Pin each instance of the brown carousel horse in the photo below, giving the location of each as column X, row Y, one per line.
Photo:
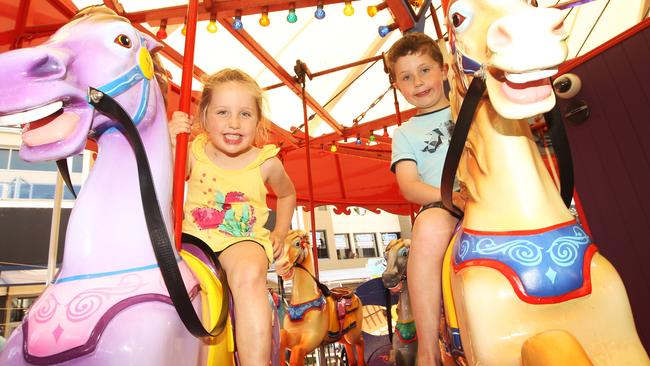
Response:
column 405, row 343
column 522, row 281
column 315, row 315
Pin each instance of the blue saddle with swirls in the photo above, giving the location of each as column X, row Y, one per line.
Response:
column 547, row 265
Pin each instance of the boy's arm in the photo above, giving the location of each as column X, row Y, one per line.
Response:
column 413, row 189
column 285, row 192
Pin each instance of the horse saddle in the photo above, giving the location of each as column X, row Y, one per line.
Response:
column 68, row 320
column 544, row 266
column 340, row 303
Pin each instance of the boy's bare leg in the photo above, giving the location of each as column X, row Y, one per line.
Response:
column 245, row 264
column 430, row 237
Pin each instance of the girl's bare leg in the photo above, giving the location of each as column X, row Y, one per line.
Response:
column 245, row 264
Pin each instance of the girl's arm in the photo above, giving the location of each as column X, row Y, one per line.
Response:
column 281, row 184
column 181, row 123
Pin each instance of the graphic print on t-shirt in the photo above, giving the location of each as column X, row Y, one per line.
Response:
column 437, row 137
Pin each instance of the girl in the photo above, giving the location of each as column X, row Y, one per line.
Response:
column 226, row 199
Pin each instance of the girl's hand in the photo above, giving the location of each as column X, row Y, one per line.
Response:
column 277, row 239
column 180, row 123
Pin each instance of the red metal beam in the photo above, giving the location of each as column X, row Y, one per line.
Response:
column 168, row 50
column 66, row 8
column 333, row 69
column 402, row 14
column 225, row 9
column 21, row 22
column 364, row 129
column 256, row 49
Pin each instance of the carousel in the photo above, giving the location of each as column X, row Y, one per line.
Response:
column 546, row 266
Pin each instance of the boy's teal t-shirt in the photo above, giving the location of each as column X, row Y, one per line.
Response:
column 424, row 139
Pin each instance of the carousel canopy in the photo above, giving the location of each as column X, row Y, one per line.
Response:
column 351, row 110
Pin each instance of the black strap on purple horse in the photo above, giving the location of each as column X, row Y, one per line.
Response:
column 466, row 115
column 160, row 240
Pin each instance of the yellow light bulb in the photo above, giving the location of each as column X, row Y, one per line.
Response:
column 348, row 10
column 264, row 20
column 184, row 30
column 372, row 11
column 212, row 27
column 333, row 148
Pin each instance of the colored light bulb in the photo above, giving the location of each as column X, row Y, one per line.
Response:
column 161, row 34
column 320, row 12
column 372, row 10
column 348, row 10
column 358, row 141
column 372, row 138
column 292, row 17
column 212, row 26
column 237, row 23
column 264, row 19
column 333, row 148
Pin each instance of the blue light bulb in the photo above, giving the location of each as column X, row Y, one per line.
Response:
column 237, row 24
column 383, row 30
column 320, row 12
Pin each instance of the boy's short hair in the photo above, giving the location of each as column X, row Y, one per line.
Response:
column 412, row 43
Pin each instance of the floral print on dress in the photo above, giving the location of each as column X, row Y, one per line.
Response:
column 224, row 218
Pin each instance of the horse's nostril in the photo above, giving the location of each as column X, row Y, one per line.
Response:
column 45, row 66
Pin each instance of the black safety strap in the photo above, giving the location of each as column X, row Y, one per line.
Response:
column 62, row 165
column 160, row 241
column 323, row 288
column 560, row 143
column 457, row 144
column 465, row 116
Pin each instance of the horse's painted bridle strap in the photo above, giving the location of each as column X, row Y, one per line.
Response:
column 141, row 71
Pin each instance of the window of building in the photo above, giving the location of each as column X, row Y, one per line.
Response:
column 387, row 237
column 321, row 244
column 19, row 307
column 19, row 188
column 366, row 245
column 4, row 158
column 16, row 163
column 343, row 248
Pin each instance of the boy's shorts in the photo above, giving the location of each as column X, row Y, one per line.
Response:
column 436, row 204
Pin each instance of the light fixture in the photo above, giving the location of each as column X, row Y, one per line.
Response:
column 385, row 132
column 358, row 141
column 292, row 17
column 385, row 29
column 212, row 25
column 320, row 11
column 372, row 10
column 333, row 148
column 264, row 19
column 372, row 137
column 184, row 29
column 348, row 10
column 237, row 23
column 162, row 30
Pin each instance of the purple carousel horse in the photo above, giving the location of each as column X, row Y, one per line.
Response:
column 108, row 304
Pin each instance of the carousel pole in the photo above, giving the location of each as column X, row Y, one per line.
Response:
column 181, row 139
column 301, row 73
column 54, row 230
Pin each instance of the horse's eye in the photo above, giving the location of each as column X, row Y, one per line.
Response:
column 123, row 40
column 457, row 19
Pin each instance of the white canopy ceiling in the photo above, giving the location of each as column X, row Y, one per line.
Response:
column 337, row 40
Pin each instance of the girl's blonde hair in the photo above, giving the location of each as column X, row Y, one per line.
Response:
column 224, row 76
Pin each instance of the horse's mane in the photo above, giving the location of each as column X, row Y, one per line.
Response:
column 100, row 13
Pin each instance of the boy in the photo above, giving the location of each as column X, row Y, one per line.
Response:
column 420, row 145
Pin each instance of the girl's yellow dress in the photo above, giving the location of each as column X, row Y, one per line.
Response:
column 224, row 206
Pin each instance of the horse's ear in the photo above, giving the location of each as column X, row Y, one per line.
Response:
column 152, row 45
